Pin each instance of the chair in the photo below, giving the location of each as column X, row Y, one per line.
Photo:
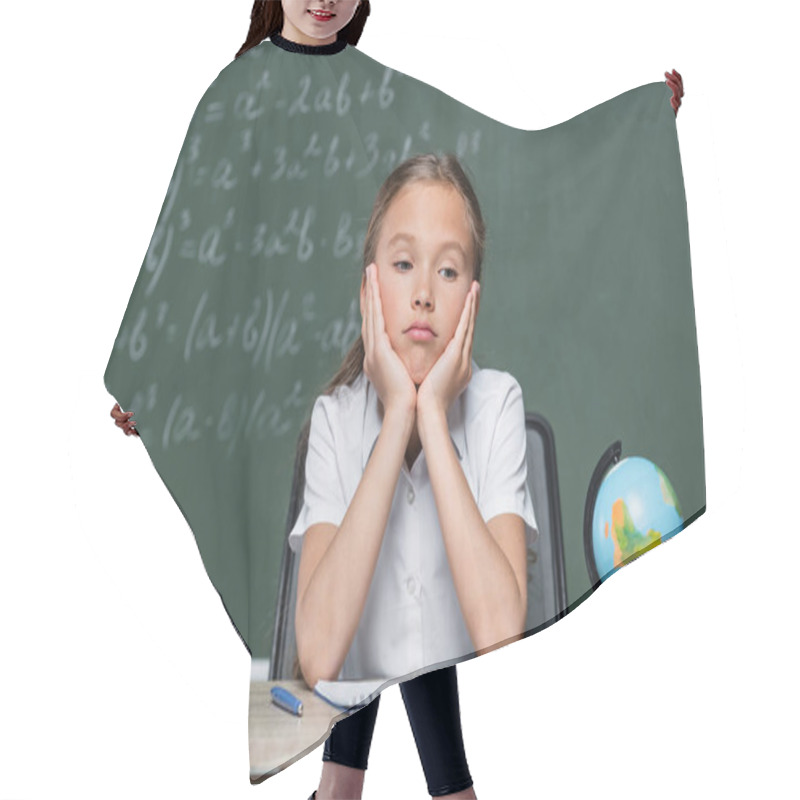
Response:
column 284, row 642
column 547, row 577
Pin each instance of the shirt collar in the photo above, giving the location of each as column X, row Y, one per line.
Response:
column 372, row 420
column 309, row 49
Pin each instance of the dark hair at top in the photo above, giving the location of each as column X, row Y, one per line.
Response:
column 266, row 19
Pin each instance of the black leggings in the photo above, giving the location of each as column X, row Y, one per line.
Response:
column 432, row 706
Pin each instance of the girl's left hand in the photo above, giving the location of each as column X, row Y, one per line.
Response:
column 675, row 82
column 452, row 371
column 124, row 420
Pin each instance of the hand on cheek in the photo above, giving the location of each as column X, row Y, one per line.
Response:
column 384, row 368
column 452, row 371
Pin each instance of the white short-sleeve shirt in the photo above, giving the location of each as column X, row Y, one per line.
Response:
column 412, row 618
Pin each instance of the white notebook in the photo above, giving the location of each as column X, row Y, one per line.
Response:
column 347, row 694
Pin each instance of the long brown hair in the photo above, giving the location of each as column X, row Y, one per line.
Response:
column 266, row 19
column 445, row 169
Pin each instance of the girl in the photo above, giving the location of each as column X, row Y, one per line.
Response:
column 398, row 568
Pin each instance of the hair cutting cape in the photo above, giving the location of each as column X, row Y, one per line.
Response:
column 248, row 299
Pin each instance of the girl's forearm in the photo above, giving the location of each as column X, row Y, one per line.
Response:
column 492, row 602
column 329, row 611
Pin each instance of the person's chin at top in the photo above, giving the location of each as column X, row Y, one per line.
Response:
column 420, row 369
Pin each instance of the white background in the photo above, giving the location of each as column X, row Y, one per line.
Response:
column 120, row 673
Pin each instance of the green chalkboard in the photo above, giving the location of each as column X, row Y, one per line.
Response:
column 248, row 296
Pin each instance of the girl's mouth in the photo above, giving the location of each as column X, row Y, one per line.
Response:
column 323, row 16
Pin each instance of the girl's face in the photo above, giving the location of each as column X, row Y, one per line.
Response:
column 302, row 25
column 424, row 261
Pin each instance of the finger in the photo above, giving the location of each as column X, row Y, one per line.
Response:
column 467, row 351
column 373, row 330
column 365, row 309
column 362, row 307
column 674, row 79
column 463, row 322
column 464, row 335
column 122, row 415
column 379, row 323
column 368, row 304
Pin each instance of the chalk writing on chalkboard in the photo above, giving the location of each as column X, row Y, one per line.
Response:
column 276, row 322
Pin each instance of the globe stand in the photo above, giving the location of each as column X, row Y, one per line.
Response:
column 609, row 458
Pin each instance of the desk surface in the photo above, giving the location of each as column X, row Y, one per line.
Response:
column 278, row 738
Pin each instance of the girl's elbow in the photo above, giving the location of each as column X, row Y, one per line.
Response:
column 313, row 673
column 523, row 614
column 309, row 675
column 520, row 624
column 513, row 627
column 314, row 666
column 306, row 657
column 310, row 670
column 516, row 626
column 314, row 654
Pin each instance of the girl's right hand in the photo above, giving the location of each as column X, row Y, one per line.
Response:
column 122, row 419
column 384, row 368
column 675, row 82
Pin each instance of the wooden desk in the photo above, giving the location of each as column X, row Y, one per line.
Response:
column 278, row 738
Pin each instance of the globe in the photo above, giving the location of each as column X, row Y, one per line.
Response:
column 636, row 509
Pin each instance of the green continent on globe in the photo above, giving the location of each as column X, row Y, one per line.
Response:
column 667, row 492
column 627, row 540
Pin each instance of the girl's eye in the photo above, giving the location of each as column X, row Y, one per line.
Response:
column 453, row 272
